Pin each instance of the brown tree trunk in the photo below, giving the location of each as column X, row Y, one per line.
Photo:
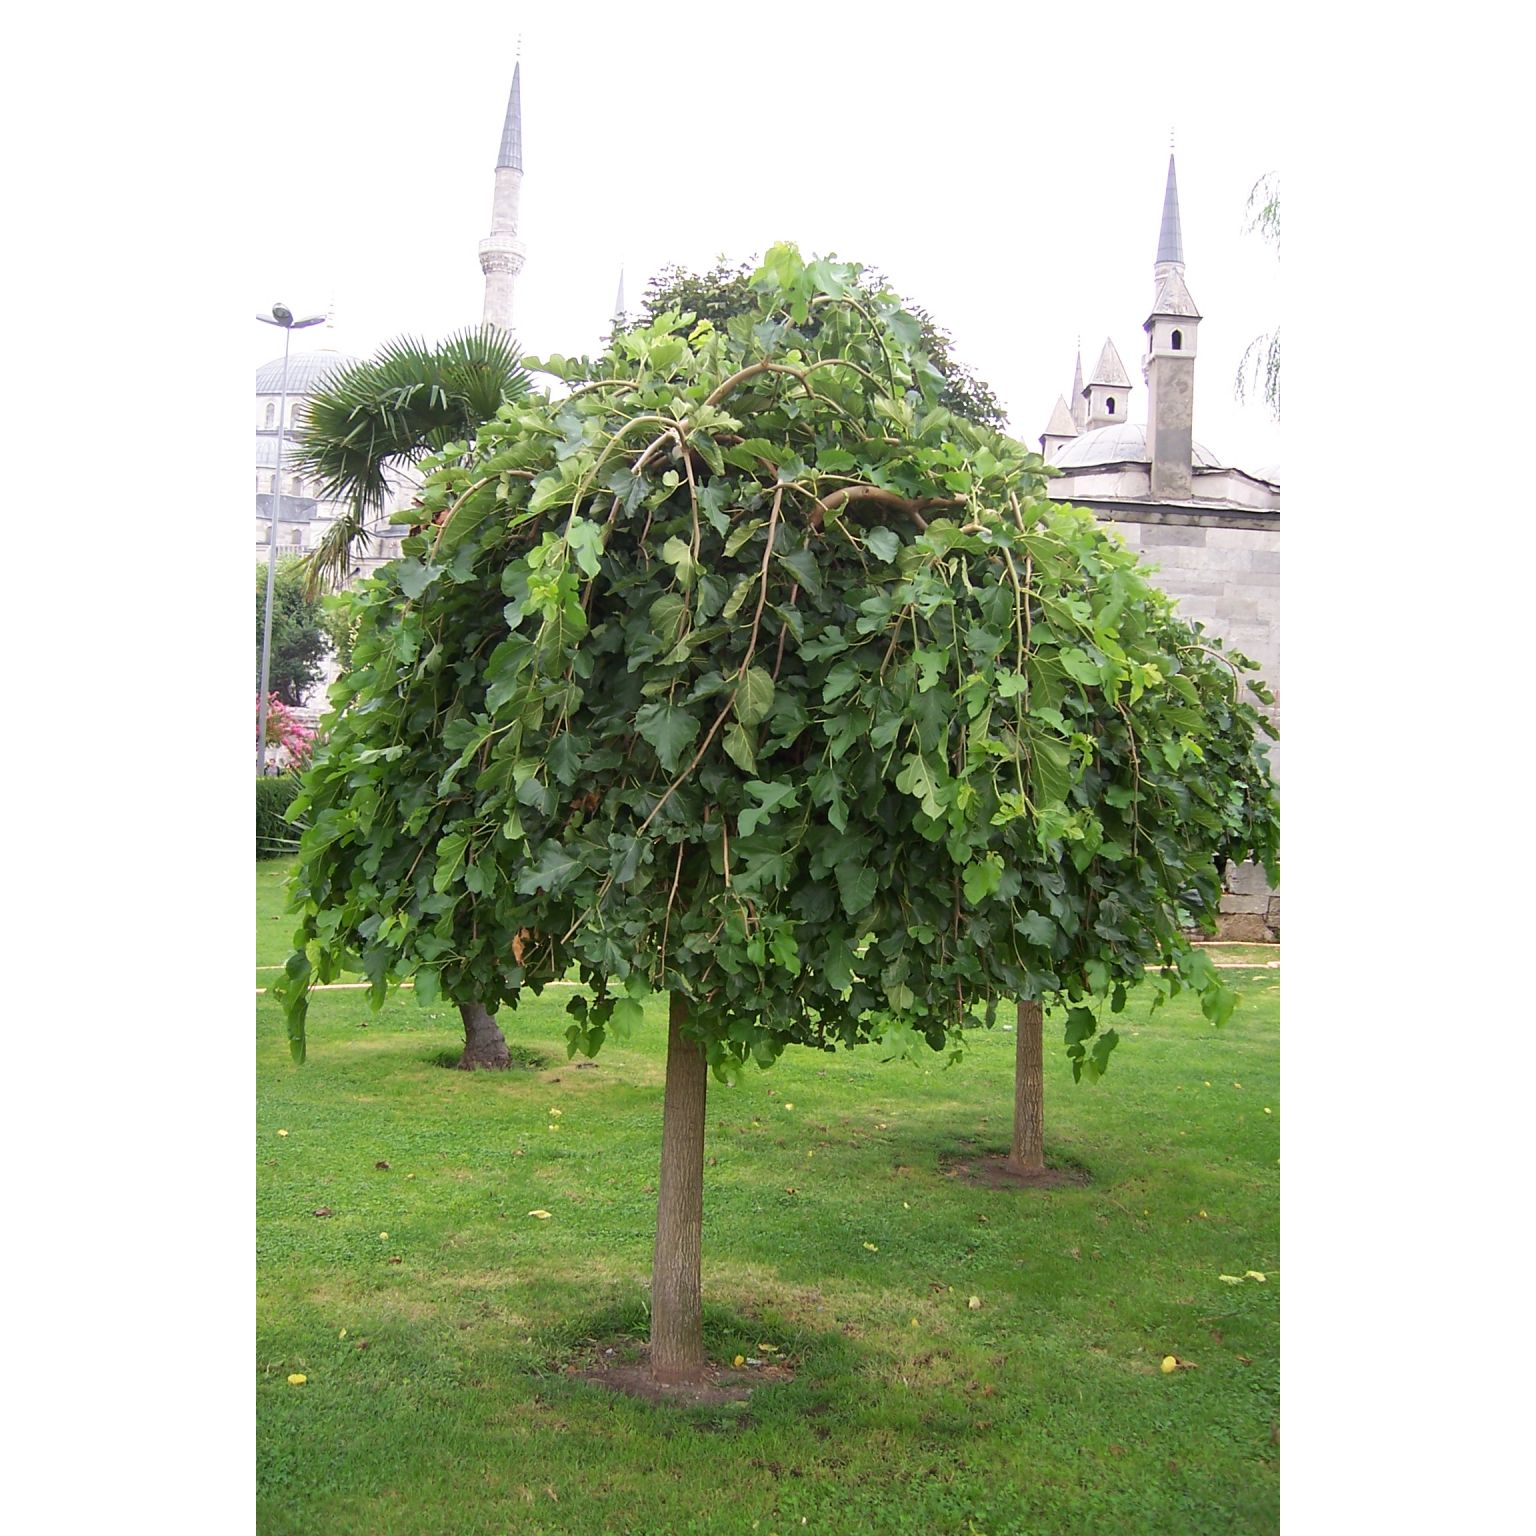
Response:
column 1027, row 1154
column 677, row 1321
column 484, row 1044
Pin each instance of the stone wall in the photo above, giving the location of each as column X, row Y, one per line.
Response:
column 1250, row 908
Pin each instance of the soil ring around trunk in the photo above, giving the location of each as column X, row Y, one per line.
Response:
column 625, row 1367
column 994, row 1172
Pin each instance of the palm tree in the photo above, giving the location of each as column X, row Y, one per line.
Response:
column 373, row 416
column 390, row 410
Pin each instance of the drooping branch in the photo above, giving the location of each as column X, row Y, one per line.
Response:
column 913, row 507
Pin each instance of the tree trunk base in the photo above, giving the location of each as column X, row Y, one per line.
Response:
column 485, row 1047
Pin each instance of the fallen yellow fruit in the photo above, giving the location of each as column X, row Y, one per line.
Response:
column 789, row 1106
column 1170, row 1364
column 542, row 1215
column 872, row 1248
column 282, row 1133
column 556, row 1113
column 739, row 1360
column 1253, row 1274
column 342, row 1334
column 1230, row 1279
column 297, row 1381
column 974, row 1303
column 383, row 1237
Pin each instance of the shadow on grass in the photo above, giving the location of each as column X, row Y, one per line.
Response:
column 795, row 1377
column 531, row 1061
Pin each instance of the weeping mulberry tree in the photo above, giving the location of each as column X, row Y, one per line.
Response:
column 747, row 674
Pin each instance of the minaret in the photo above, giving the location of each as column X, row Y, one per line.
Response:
column 1169, row 367
column 1079, row 400
column 618, row 302
column 502, row 253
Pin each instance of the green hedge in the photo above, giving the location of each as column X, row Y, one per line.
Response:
column 275, row 838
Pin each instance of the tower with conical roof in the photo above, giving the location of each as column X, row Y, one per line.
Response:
column 502, row 252
column 1169, row 366
column 1108, row 391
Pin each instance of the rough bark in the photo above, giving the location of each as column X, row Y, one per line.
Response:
column 1027, row 1154
column 485, row 1047
column 677, row 1322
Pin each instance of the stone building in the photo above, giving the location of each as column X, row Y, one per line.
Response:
column 1211, row 529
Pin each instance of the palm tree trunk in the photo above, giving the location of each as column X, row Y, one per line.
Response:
column 1027, row 1154
column 677, row 1321
column 484, row 1044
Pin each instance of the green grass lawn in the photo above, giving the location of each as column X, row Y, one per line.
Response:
column 831, row 1232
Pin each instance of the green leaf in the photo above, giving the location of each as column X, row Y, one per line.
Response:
column 668, row 729
column 552, row 873
column 754, row 696
column 982, row 877
column 739, row 536
column 679, row 555
column 856, row 885
column 882, row 543
column 739, row 748
column 414, row 577
column 586, row 541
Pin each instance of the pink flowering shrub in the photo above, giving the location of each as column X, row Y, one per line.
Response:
column 287, row 732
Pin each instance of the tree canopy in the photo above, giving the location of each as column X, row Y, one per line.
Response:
column 750, row 672
column 726, row 290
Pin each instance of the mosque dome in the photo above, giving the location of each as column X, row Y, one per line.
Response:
column 305, row 371
column 1123, row 443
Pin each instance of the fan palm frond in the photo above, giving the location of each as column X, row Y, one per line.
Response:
column 407, row 400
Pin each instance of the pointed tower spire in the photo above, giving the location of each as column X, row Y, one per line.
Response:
column 511, row 155
column 1170, row 237
column 618, row 303
column 502, row 252
column 1059, row 430
column 1079, row 399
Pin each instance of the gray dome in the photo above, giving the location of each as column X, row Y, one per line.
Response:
column 1124, row 443
column 305, row 370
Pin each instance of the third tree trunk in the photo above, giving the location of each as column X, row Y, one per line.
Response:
column 677, row 1322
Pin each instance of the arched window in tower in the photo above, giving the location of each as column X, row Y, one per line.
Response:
column 271, row 414
column 1110, row 406
column 1178, row 341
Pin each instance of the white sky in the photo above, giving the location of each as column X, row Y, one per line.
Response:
column 1008, row 176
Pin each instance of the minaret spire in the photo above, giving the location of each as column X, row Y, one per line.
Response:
column 1170, row 237
column 502, row 252
column 1079, row 400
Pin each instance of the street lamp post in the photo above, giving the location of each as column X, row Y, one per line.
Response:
column 281, row 316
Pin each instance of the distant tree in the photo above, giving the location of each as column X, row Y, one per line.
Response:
column 1259, row 371
column 298, row 633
